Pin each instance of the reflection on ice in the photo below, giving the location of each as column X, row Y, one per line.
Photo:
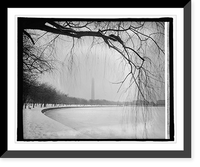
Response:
column 113, row 122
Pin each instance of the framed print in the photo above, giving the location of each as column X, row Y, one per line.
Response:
column 94, row 90
column 99, row 82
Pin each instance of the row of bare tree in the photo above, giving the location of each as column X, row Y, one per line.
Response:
column 43, row 94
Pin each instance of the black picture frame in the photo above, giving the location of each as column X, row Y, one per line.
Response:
column 24, row 21
column 186, row 153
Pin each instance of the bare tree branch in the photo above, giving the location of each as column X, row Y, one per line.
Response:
column 116, row 35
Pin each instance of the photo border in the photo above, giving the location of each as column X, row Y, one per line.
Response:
column 171, row 130
column 186, row 153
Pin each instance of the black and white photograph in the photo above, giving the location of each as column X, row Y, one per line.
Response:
column 98, row 83
column 95, row 79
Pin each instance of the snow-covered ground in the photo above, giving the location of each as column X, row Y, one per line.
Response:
column 94, row 123
column 39, row 126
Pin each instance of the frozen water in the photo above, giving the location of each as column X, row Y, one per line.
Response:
column 113, row 122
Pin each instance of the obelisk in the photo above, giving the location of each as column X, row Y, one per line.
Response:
column 92, row 90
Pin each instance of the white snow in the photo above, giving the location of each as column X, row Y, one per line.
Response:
column 94, row 123
column 38, row 126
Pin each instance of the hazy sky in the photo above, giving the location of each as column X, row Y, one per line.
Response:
column 75, row 69
column 74, row 77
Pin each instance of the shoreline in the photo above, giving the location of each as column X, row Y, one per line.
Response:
column 38, row 125
column 95, row 106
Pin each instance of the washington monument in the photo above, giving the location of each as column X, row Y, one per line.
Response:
column 92, row 90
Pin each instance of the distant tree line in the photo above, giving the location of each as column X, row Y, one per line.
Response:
column 35, row 93
column 145, row 103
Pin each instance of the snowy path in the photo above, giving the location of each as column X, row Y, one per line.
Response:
column 39, row 126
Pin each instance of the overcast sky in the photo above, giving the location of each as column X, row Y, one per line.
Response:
column 74, row 77
column 75, row 70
